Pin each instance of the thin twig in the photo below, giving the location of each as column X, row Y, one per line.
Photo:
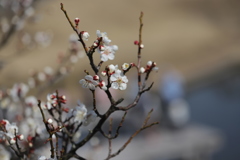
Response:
column 109, row 139
column 48, row 129
column 145, row 126
column 139, row 51
column 94, row 104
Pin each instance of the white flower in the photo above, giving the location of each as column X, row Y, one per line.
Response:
column 77, row 136
column 119, row 81
column 42, row 158
column 11, row 129
column 105, row 39
column 73, row 38
column 155, row 68
column 48, row 70
column 108, row 52
column 41, row 76
column 80, row 113
column 91, row 117
column 31, row 101
column 88, row 82
column 125, row 66
column 112, row 68
column 51, row 100
column 19, row 91
column 149, row 63
column 85, row 35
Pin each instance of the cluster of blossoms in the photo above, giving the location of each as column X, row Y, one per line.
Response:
column 151, row 66
column 9, row 132
column 116, row 78
column 60, row 124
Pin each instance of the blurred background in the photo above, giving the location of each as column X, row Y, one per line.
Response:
column 196, row 94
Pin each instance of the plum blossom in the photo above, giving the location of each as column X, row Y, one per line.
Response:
column 91, row 117
column 18, row 91
column 42, row 158
column 108, row 52
column 88, row 82
column 119, row 81
column 85, row 35
column 112, row 68
column 10, row 130
column 104, row 36
column 125, row 66
column 80, row 113
column 51, row 100
column 31, row 101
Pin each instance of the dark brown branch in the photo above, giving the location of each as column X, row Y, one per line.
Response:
column 78, row 157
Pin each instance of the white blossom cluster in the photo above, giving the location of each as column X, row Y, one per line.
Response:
column 117, row 78
column 10, row 132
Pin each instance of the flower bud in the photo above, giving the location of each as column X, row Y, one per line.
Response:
column 149, row 63
column 21, row 137
column 12, row 141
column 50, row 121
column 76, row 20
column 101, row 48
column 142, row 70
column 103, row 73
column 136, row 42
column 85, row 35
column 96, row 77
column 141, row 46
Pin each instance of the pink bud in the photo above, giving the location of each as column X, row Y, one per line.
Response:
column 12, row 141
column 136, row 42
column 96, row 77
column 76, row 20
column 20, row 137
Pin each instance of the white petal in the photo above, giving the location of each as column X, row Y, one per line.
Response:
column 104, row 57
column 115, row 47
column 124, row 79
column 98, row 33
column 113, row 77
column 115, row 85
column 91, row 86
column 123, row 86
column 81, row 82
column 111, row 56
column 88, row 77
